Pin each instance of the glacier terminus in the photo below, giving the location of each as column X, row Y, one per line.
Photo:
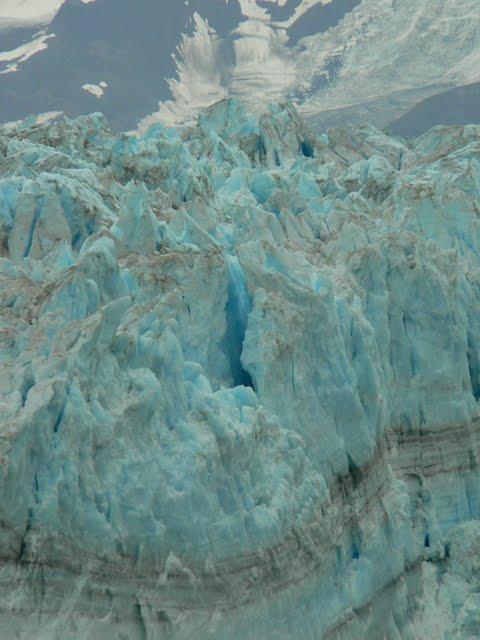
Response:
column 239, row 380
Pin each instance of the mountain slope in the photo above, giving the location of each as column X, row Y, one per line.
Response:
column 341, row 61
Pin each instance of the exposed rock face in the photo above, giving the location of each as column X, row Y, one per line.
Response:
column 239, row 381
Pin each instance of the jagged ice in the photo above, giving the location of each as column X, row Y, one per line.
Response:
column 239, row 381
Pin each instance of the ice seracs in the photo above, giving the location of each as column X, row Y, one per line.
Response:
column 239, row 380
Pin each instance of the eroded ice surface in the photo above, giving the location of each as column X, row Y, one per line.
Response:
column 239, row 381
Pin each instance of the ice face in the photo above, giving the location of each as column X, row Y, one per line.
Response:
column 239, row 380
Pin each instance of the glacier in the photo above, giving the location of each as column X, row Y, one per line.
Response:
column 239, row 380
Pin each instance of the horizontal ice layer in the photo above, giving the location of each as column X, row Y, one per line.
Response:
column 239, row 380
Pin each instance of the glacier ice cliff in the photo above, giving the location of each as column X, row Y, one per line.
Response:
column 239, row 381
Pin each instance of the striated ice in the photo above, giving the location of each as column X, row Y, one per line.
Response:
column 239, row 381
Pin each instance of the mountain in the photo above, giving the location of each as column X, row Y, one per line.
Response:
column 127, row 45
column 456, row 106
column 239, row 381
column 340, row 61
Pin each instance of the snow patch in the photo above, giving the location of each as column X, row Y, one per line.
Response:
column 199, row 82
column 300, row 10
column 262, row 68
column 23, row 13
column 96, row 90
column 24, row 52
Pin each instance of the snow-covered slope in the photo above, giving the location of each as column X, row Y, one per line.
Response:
column 377, row 62
column 239, row 381
column 17, row 13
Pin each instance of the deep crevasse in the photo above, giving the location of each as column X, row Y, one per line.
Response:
column 239, row 381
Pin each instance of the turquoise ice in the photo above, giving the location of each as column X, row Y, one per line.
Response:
column 239, row 381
